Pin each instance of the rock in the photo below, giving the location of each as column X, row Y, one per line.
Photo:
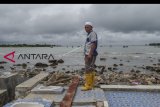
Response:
column 115, row 65
column 149, row 57
column 121, row 64
column 134, row 82
column 99, row 78
column 125, row 46
column 96, row 70
column 24, row 66
column 150, row 68
column 54, row 64
column 83, row 69
column 72, row 72
column 100, row 66
column 102, row 59
column 52, row 61
column 138, row 71
column 151, row 60
column 148, row 81
column 126, row 75
column 3, row 62
column 115, row 68
column 102, row 70
column 67, row 72
column 53, row 71
column 40, row 65
column 158, row 70
column 109, row 68
column 60, row 61
column 114, row 58
column 63, row 68
column 17, row 64
column 154, row 64
column 12, row 68
column 132, row 70
column 29, row 70
column 120, row 72
column 37, row 69
column 143, row 67
column 95, row 66
column 31, row 74
column 1, row 67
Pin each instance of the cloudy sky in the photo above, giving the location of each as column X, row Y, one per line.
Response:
column 64, row 23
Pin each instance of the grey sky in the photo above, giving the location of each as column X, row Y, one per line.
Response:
column 63, row 23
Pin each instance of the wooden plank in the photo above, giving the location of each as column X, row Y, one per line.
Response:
column 68, row 98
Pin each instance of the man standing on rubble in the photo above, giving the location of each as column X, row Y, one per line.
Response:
column 90, row 56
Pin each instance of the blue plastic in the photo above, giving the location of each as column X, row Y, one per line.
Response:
column 133, row 99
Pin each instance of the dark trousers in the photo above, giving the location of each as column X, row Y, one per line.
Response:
column 89, row 64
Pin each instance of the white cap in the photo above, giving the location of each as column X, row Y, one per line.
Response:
column 88, row 23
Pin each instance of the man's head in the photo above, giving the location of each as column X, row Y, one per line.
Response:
column 88, row 26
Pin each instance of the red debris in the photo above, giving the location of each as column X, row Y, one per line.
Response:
column 68, row 98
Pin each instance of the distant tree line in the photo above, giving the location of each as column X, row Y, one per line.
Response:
column 28, row 45
column 154, row 44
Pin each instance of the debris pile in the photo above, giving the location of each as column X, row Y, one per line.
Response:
column 58, row 79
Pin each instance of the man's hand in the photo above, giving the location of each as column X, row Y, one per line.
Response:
column 89, row 56
column 93, row 46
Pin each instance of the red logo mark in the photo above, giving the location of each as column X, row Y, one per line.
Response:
column 12, row 58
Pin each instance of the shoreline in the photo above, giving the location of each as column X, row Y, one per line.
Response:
column 104, row 75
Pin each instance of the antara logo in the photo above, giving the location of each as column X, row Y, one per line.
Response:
column 12, row 57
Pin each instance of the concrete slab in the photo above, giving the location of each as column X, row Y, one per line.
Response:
column 41, row 89
column 89, row 97
column 106, row 103
column 3, row 97
column 29, row 103
column 5, row 74
column 56, row 98
column 100, row 104
column 25, row 87
column 9, row 82
column 6, row 80
column 81, row 98
column 131, row 88
column 2, row 91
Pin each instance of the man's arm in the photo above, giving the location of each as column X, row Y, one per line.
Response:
column 93, row 46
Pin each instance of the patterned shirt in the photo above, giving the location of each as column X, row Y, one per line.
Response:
column 91, row 38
